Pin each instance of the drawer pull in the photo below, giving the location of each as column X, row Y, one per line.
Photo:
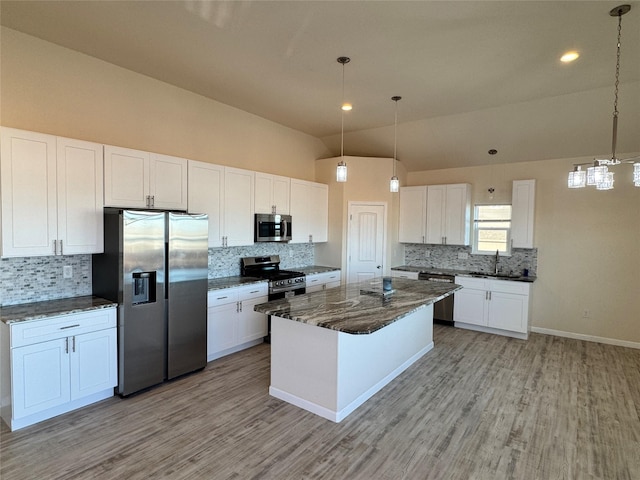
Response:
column 255, row 291
column 69, row 326
column 221, row 298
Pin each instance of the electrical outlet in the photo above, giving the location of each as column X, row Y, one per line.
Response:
column 67, row 271
column 586, row 313
column 290, row 253
column 463, row 256
column 427, row 253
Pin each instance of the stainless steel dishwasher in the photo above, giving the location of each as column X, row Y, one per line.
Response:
column 443, row 309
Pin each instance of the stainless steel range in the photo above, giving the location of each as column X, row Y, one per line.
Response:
column 282, row 283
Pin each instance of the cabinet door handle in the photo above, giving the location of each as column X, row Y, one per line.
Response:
column 66, row 345
column 148, row 201
column 70, row 326
column 486, row 295
column 55, row 247
column 73, row 344
column 310, row 238
column 153, row 201
column 422, row 238
column 240, row 303
column 61, row 252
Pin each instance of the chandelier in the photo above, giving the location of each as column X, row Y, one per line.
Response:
column 598, row 174
column 341, row 172
column 394, row 184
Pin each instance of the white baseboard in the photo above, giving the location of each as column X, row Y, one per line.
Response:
column 494, row 331
column 588, row 338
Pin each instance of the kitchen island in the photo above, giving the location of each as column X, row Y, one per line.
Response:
column 334, row 349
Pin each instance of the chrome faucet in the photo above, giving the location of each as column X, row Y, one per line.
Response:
column 495, row 270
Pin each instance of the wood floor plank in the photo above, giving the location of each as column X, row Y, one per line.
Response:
column 476, row 407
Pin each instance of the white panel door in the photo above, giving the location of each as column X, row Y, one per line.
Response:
column 93, row 362
column 300, row 199
column 238, row 207
column 457, row 214
column 168, row 182
column 366, row 241
column 252, row 325
column 40, row 376
column 80, row 196
column 282, row 194
column 522, row 213
column 206, row 195
column 318, row 212
column 222, row 327
column 508, row 311
column 263, row 193
column 470, row 306
column 28, row 189
column 126, row 177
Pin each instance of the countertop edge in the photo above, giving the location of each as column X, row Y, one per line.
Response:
column 26, row 312
column 461, row 273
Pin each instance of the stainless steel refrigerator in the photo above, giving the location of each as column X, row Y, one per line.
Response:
column 155, row 266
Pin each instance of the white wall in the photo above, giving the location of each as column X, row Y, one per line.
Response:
column 588, row 244
column 50, row 89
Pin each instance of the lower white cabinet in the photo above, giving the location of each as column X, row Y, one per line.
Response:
column 403, row 274
column 57, row 364
column 496, row 306
column 232, row 325
column 322, row 281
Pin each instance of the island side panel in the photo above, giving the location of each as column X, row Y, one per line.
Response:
column 331, row 373
column 304, row 365
column 366, row 363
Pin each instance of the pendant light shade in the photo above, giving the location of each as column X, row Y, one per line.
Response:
column 394, row 184
column 598, row 174
column 341, row 171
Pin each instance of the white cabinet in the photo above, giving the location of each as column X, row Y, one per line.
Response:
column 522, row 213
column 448, row 214
column 499, row 305
column 137, row 179
column 238, row 207
column 403, row 274
column 272, row 193
column 309, row 211
column 57, row 364
column 413, row 214
column 435, row 214
column 51, row 195
column 232, row 325
column 322, row 281
column 206, row 195
column 226, row 195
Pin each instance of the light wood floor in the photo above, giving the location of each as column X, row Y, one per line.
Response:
column 476, row 407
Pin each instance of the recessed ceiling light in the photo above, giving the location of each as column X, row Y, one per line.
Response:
column 569, row 57
column 346, row 107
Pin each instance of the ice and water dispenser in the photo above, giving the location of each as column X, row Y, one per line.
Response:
column 144, row 288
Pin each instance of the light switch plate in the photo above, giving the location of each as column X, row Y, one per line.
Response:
column 67, row 271
column 463, row 256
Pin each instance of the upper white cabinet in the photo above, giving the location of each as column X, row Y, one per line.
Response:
column 309, row 211
column 522, row 213
column 272, row 193
column 437, row 214
column 137, row 179
column 413, row 214
column 206, row 195
column 51, row 195
column 448, row 214
column 238, row 207
column 225, row 194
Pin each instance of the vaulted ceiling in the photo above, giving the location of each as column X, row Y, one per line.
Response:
column 473, row 75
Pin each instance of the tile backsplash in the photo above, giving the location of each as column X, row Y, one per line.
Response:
column 34, row 279
column 448, row 256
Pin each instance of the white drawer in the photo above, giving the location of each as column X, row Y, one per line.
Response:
column 60, row 326
column 253, row 291
column 403, row 274
column 222, row 296
column 475, row 283
column 508, row 286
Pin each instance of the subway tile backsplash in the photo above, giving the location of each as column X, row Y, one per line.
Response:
column 34, row 279
column 447, row 256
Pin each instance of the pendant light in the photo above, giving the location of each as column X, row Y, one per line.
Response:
column 341, row 172
column 598, row 173
column 394, row 184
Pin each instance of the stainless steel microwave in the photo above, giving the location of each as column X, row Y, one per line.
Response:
column 272, row 228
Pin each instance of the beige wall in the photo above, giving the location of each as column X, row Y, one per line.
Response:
column 588, row 244
column 51, row 89
column 368, row 181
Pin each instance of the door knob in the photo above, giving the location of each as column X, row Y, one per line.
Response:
column 379, row 267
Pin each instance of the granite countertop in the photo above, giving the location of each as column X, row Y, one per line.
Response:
column 235, row 281
column 49, row 308
column 463, row 273
column 347, row 310
column 314, row 269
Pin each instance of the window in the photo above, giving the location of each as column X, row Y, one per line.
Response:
column 492, row 229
